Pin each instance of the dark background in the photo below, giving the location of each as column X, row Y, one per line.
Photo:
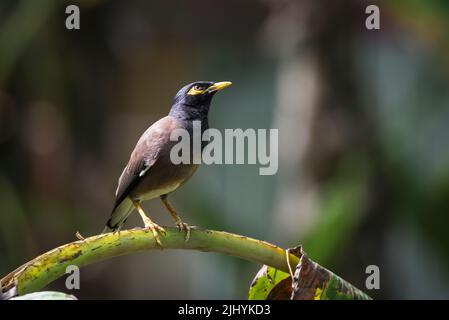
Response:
column 363, row 136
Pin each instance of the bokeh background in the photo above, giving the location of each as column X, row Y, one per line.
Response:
column 363, row 136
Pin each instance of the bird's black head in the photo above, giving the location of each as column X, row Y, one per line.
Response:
column 193, row 100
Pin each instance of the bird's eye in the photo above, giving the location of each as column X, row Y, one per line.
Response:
column 195, row 90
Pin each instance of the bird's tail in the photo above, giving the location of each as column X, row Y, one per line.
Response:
column 119, row 216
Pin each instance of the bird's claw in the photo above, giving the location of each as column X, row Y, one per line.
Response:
column 156, row 230
column 184, row 227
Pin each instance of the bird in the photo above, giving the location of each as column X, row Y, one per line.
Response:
column 150, row 173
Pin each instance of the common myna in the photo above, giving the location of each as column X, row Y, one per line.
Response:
column 150, row 173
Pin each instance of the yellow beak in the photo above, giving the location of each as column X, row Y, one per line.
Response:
column 219, row 86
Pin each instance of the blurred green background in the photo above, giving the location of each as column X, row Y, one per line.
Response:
column 363, row 136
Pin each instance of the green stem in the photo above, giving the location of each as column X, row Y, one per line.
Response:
column 41, row 271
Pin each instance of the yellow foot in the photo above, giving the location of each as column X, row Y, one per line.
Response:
column 156, row 230
column 184, row 227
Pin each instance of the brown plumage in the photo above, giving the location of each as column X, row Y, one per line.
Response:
column 150, row 173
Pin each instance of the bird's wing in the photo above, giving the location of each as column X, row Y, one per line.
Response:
column 144, row 156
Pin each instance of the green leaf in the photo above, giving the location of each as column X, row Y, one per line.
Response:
column 310, row 282
column 266, row 280
column 45, row 295
column 314, row 282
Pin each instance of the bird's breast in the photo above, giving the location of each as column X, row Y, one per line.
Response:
column 163, row 178
column 154, row 193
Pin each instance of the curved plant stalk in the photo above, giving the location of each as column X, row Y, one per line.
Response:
column 41, row 271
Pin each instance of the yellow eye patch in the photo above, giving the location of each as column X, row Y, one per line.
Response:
column 195, row 90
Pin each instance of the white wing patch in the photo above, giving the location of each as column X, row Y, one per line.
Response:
column 142, row 173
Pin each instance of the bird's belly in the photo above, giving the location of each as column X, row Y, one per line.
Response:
column 158, row 182
column 151, row 194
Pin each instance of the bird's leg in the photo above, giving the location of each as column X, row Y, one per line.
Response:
column 149, row 224
column 181, row 225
